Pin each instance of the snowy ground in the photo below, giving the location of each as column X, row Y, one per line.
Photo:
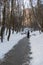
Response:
column 6, row 46
column 36, row 41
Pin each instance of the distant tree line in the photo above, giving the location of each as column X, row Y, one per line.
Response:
column 11, row 19
column 37, row 13
column 12, row 16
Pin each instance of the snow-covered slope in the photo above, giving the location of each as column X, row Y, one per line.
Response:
column 6, row 46
column 37, row 48
column 36, row 40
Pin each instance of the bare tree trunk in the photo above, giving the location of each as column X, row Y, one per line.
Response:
column 9, row 34
column 3, row 24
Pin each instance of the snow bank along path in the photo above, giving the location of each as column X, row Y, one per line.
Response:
column 6, row 46
column 37, row 48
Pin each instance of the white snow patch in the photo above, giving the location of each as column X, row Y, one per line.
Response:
column 37, row 48
column 6, row 46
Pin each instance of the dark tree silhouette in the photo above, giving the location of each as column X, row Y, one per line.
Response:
column 3, row 24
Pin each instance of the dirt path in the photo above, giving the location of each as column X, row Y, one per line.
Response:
column 19, row 55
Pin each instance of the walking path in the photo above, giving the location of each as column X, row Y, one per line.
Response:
column 19, row 55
